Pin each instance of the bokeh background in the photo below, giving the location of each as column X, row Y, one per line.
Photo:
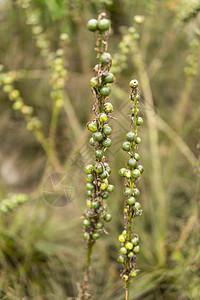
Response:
column 42, row 254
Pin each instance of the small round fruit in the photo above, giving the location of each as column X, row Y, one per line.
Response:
column 137, row 205
column 97, row 136
column 138, row 140
column 92, row 25
column 86, row 236
column 135, row 241
column 99, row 153
column 131, row 201
column 105, row 195
column 91, row 141
column 140, row 168
column 104, row 175
column 95, row 204
column 136, row 192
column 109, row 78
column 132, row 163
column 121, row 259
column 89, row 193
column 136, row 249
column 89, row 169
column 122, row 238
column 130, row 136
column 129, row 246
column 103, row 24
column 127, row 191
column 103, row 186
column 127, row 174
column 108, row 107
column 123, row 250
column 110, row 188
column 89, row 186
column 89, row 178
column 89, row 203
column 92, row 126
column 107, row 142
column 126, row 146
column 136, row 173
column 108, row 217
column 131, row 254
column 133, row 83
column 103, row 118
column 139, row 121
column 136, row 156
column 108, row 170
column 122, row 172
column 94, row 81
column 98, row 168
column 107, row 130
column 105, row 91
column 125, row 277
column 99, row 225
column 105, row 57
column 95, row 235
column 86, row 223
column 133, row 273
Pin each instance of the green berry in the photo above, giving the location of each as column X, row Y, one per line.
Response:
column 107, row 142
column 138, row 140
column 130, row 136
column 140, row 168
column 127, row 174
column 122, row 238
column 104, row 175
column 103, row 118
column 136, row 192
column 94, row 81
column 99, row 225
column 108, row 217
column 89, row 169
column 132, row 163
column 92, row 126
column 91, row 141
column 107, row 130
column 109, row 78
column 121, row 259
column 99, row 153
column 105, row 58
column 133, row 273
column 136, row 249
column 95, row 204
column 125, row 277
column 123, row 250
column 89, row 178
column 105, row 91
column 89, row 186
column 108, row 107
column 131, row 254
column 127, row 191
column 105, row 195
column 92, row 25
column 135, row 241
column 103, row 24
column 139, row 121
column 98, row 168
column 136, row 156
column 122, row 172
column 110, row 188
column 89, row 203
column 126, row 146
column 131, row 201
column 137, row 205
column 133, row 83
column 89, row 193
column 108, row 170
column 136, row 173
column 103, row 186
column 95, row 235
column 86, row 236
column 97, row 136
column 129, row 246
column 86, row 223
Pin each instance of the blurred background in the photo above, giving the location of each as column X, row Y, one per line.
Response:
column 47, row 58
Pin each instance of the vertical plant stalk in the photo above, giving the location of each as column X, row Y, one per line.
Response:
column 98, row 187
column 129, row 240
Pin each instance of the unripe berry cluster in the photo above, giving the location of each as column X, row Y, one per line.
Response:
column 129, row 241
column 11, row 203
column 98, row 187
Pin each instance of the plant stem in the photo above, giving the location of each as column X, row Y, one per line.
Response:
column 126, row 291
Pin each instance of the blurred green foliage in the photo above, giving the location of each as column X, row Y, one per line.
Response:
column 42, row 254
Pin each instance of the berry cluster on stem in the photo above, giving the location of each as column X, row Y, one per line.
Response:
column 129, row 240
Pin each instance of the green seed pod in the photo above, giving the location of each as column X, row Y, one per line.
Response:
column 92, row 126
column 121, row 259
column 129, row 246
column 138, row 140
column 92, row 25
column 122, row 238
column 95, row 204
column 103, row 24
column 108, row 217
column 122, row 172
column 107, row 130
column 132, row 163
column 86, row 223
column 136, row 192
column 99, row 225
column 127, row 191
column 104, row 175
column 105, row 58
column 130, row 136
column 103, row 186
column 126, row 146
column 105, row 91
column 127, row 174
column 108, row 170
column 136, row 249
column 109, row 78
column 135, row 241
column 137, row 205
column 133, row 273
column 97, row 136
column 89, row 169
column 136, row 173
column 131, row 254
column 89, row 193
column 103, row 118
column 89, row 203
column 123, row 250
column 89, row 186
column 139, row 121
column 110, row 188
column 131, row 201
column 89, row 178
column 98, row 168
column 136, row 156
column 95, row 235
column 107, row 142
column 105, row 195
column 94, row 81
column 99, row 153
column 108, row 107
column 86, row 236
column 140, row 168
column 133, row 83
